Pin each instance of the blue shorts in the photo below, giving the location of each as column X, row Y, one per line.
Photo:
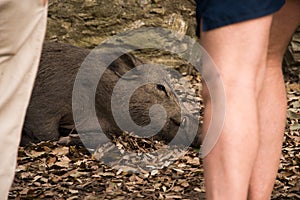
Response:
column 218, row 13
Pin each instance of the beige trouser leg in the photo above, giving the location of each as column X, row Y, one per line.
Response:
column 22, row 30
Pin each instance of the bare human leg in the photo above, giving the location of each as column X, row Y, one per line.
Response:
column 239, row 51
column 272, row 103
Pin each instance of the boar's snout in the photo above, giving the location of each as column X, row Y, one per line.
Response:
column 188, row 132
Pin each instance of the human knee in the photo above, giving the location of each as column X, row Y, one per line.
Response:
column 275, row 54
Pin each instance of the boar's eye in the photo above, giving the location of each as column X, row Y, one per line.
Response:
column 162, row 88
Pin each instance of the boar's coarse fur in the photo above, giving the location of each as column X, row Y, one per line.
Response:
column 49, row 114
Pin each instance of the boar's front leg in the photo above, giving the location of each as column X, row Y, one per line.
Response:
column 36, row 130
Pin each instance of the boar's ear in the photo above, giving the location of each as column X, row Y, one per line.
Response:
column 125, row 63
column 130, row 60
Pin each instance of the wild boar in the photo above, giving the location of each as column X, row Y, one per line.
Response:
column 50, row 116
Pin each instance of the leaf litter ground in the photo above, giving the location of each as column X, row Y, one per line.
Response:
column 51, row 171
